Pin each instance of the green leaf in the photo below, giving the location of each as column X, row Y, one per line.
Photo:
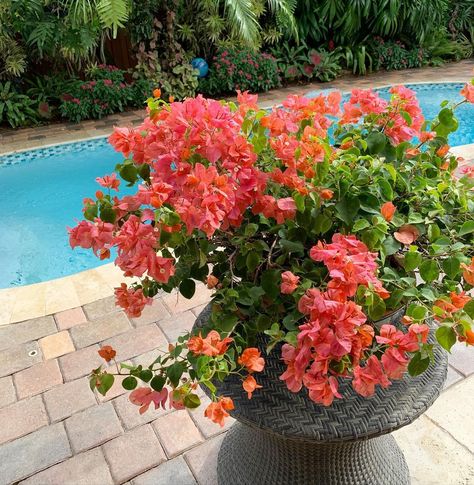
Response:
column 146, row 375
column 469, row 308
column 434, row 232
column 466, row 228
column 451, row 266
column 376, row 142
column 253, row 260
column 348, row 208
column 412, row 260
column 360, row 224
column 377, row 309
column 270, row 282
column 322, row 223
column 299, row 201
column 446, row 337
column 129, row 383
column 157, row 383
column 228, row 322
column 429, row 270
column 418, row 364
column 251, row 229
column 187, row 288
column 106, row 382
column 174, row 372
column 107, row 214
column 129, row 173
column 192, row 401
column 391, row 246
column 292, row 246
column 418, row 312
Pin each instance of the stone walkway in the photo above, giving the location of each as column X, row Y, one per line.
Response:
column 55, row 431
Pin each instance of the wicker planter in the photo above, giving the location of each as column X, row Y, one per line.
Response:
column 283, row 438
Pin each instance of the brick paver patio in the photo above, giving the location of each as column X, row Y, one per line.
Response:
column 55, row 431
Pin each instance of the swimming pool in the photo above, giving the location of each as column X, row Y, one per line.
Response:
column 41, row 193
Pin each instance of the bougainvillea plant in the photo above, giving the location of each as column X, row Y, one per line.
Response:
column 311, row 222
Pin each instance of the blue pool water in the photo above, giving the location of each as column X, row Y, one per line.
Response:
column 41, row 193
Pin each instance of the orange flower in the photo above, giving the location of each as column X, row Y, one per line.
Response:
column 459, row 300
column 406, row 234
column 99, row 194
column 468, row 272
column 251, row 359
column 211, row 281
column 212, row 345
column 406, row 320
column 217, row 411
column 104, row 253
column 157, row 93
column 107, row 353
column 171, row 99
column 469, row 337
column 442, row 151
column 367, row 334
column 347, row 144
column 326, row 194
column 412, row 152
column 388, row 210
column 249, row 385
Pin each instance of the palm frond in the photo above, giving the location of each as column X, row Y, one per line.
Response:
column 242, row 21
column 113, row 14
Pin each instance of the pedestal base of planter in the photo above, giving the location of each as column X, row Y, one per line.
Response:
column 249, row 456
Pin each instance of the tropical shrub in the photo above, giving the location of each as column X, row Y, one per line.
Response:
column 307, row 238
column 300, row 62
column 105, row 92
column 243, row 69
column 349, row 23
column 64, row 33
column 392, row 55
column 16, row 109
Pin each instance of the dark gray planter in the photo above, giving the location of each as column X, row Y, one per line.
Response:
column 283, row 438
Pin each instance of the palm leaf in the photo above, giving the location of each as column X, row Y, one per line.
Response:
column 242, row 20
column 113, row 14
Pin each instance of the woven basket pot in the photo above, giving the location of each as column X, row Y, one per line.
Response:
column 284, row 438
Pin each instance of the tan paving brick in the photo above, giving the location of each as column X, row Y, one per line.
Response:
column 100, row 329
column 80, row 363
column 202, row 460
column 137, row 341
column 7, row 391
column 177, row 303
column 133, row 453
column 18, row 358
column 19, row 333
column 151, row 314
column 70, row 318
column 68, row 399
column 461, row 359
column 100, row 308
column 92, row 427
column 177, row 325
column 129, row 415
column 174, row 471
column 37, row 379
column 21, row 418
column 89, row 468
column 56, row 345
column 177, row 432
column 33, row 453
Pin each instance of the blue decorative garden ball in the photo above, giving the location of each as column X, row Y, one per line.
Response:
column 201, row 65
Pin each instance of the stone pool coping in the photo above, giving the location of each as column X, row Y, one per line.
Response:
column 32, row 301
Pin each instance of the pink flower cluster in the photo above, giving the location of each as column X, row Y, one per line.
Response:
column 401, row 118
column 336, row 341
